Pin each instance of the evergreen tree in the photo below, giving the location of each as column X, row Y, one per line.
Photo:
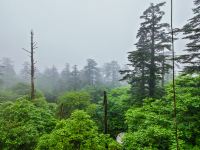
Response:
column 159, row 40
column 91, row 73
column 48, row 82
column 138, row 75
column 8, row 74
column 191, row 30
column 75, row 78
column 65, row 78
column 53, row 78
column 25, row 72
column 111, row 74
column 148, row 62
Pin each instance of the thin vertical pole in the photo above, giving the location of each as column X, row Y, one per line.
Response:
column 174, row 84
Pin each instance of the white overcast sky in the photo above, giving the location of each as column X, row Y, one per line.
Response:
column 74, row 30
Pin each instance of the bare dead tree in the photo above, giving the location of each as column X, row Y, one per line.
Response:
column 31, row 52
column 105, row 104
column 62, row 111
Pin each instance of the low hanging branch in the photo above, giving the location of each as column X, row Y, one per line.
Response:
column 31, row 52
column 174, row 86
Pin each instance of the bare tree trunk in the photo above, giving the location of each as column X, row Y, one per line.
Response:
column 32, row 68
column 142, row 90
column 163, row 70
column 61, row 111
column 152, row 79
column 31, row 52
column 105, row 104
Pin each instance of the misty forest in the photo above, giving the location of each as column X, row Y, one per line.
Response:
column 152, row 102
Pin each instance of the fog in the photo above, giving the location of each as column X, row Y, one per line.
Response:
column 74, row 30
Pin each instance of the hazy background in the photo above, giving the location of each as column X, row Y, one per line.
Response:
column 74, row 30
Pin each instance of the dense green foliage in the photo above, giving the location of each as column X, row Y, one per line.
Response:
column 77, row 132
column 149, row 61
column 23, row 122
column 151, row 126
column 71, row 101
column 118, row 105
column 34, row 125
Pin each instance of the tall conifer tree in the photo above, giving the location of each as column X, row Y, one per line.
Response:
column 148, row 61
column 191, row 32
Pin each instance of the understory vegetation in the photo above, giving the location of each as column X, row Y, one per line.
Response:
column 38, row 124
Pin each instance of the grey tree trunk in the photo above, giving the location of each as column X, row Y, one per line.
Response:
column 32, row 68
column 105, row 104
column 152, row 79
column 32, row 73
